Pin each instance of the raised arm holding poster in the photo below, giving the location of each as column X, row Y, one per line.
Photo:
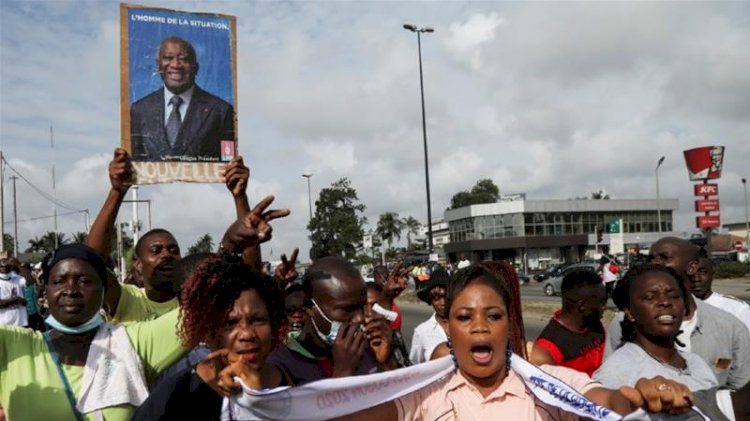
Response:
column 179, row 93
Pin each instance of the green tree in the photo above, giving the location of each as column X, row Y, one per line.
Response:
column 337, row 224
column 46, row 243
column 484, row 191
column 204, row 244
column 8, row 244
column 412, row 226
column 389, row 227
column 600, row 195
column 80, row 237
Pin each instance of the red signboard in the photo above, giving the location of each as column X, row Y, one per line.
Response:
column 708, row 221
column 738, row 245
column 706, row 189
column 704, row 163
column 707, row 205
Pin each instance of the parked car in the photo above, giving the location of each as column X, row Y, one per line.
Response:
column 548, row 273
column 552, row 285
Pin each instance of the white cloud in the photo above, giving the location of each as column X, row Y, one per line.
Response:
column 553, row 99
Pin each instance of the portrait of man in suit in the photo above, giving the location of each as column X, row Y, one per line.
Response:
column 180, row 121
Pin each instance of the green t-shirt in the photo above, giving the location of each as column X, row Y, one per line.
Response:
column 31, row 388
column 134, row 306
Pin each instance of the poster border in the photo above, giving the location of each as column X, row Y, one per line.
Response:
column 211, row 170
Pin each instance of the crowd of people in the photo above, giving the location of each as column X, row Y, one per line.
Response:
column 181, row 340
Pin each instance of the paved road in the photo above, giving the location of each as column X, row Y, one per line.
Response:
column 416, row 313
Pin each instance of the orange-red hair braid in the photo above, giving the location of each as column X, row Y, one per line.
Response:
column 507, row 274
column 209, row 293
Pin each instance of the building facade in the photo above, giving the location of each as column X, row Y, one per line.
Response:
column 536, row 234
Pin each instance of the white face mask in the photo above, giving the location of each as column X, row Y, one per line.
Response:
column 335, row 326
column 5, row 276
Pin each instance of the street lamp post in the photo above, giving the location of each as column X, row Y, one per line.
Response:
column 747, row 219
column 419, row 32
column 309, row 197
column 658, row 199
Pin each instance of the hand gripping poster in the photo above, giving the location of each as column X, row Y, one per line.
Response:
column 179, row 93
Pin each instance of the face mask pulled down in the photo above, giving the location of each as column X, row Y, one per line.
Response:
column 335, row 326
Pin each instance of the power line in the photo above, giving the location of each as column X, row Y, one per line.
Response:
column 50, row 216
column 42, row 193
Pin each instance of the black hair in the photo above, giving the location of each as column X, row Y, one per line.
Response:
column 621, row 294
column 380, row 271
column 292, row 288
column 188, row 264
column 471, row 274
column 376, row 286
column 579, row 278
column 143, row 238
column 324, row 268
column 187, row 46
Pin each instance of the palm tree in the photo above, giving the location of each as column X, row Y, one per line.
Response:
column 412, row 227
column 204, row 244
column 46, row 243
column 80, row 237
column 389, row 227
column 36, row 245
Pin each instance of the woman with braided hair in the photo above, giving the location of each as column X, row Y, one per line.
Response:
column 486, row 385
column 653, row 299
column 239, row 313
column 506, row 275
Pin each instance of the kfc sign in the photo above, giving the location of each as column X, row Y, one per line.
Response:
column 707, row 205
column 704, row 163
column 706, row 189
column 708, row 221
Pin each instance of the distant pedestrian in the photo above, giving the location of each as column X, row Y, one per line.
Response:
column 575, row 337
column 12, row 302
column 464, row 262
column 429, row 334
column 701, row 288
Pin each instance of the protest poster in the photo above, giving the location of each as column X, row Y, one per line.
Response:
column 178, row 93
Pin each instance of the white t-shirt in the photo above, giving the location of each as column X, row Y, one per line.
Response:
column 12, row 285
column 731, row 305
column 428, row 335
column 607, row 275
column 686, row 331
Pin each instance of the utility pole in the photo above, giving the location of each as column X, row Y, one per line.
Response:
column 54, row 189
column 15, row 218
column 2, row 204
column 136, row 226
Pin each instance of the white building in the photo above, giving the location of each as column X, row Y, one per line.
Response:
column 536, row 234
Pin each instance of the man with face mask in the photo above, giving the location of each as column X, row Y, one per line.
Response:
column 180, row 121
column 12, row 302
column 338, row 338
column 574, row 337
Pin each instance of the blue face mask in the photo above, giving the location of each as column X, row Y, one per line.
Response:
column 92, row 324
column 335, row 326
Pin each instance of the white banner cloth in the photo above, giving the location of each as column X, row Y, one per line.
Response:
column 331, row 398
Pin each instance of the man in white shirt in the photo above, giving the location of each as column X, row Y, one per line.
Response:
column 609, row 273
column 12, row 302
column 429, row 334
column 701, row 288
column 464, row 262
column 715, row 335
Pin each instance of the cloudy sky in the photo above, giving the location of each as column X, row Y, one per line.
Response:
column 554, row 99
